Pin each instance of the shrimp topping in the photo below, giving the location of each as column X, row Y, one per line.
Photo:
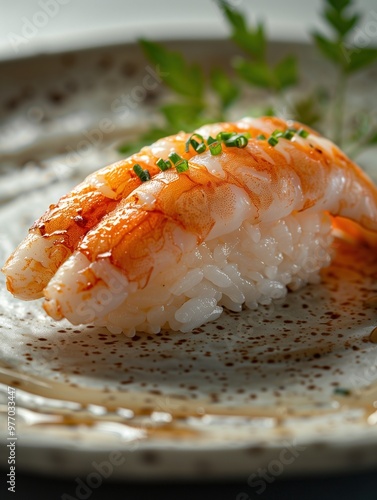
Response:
column 113, row 234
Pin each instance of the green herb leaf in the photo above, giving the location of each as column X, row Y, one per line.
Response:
column 268, row 111
column 347, row 57
column 183, row 78
column 341, row 24
column 339, row 5
column 331, row 50
column 260, row 74
column 256, row 73
column 193, row 109
column 224, row 87
column 130, row 147
column 253, row 41
column 364, row 133
column 152, row 135
column 182, row 116
column 307, row 110
column 286, row 73
column 359, row 58
column 372, row 139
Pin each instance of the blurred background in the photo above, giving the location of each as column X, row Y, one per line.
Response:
column 66, row 65
column 75, row 24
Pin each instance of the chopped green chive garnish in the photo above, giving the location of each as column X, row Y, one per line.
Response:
column 199, row 144
column 277, row 133
column 237, row 141
column 182, row 165
column 143, row 175
column 174, row 158
column 230, row 139
column 199, row 147
column 193, row 143
column 341, row 391
column 272, row 141
column 215, row 148
column 163, row 164
column 224, row 136
column 303, row 133
column 288, row 134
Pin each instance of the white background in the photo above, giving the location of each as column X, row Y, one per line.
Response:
column 86, row 23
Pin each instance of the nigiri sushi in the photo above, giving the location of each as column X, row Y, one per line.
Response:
column 232, row 215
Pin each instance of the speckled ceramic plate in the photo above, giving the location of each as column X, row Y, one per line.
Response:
column 291, row 387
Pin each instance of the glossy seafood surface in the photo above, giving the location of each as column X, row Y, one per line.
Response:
column 113, row 230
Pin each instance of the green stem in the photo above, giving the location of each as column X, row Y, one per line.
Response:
column 354, row 151
column 359, row 146
column 339, row 104
column 282, row 96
